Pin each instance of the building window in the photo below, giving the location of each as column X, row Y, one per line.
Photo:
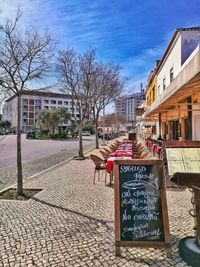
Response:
column 46, row 107
column 153, row 94
column 46, row 101
column 171, row 74
column 25, row 122
column 164, row 84
column 37, row 108
column 159, row 90
column 65, row 102
column 59, row 102
column 53, row 102
column 31, row 115
column 31, row 101
column 31, row 122
column 25, row 114
column 37, row 102
column 31, row 108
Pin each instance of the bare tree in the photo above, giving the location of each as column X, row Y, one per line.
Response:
column 113, row 120
column 77, row 74
column 25, row 56
column 107, row 86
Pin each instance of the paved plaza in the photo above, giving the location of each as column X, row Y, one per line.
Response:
column 71, row 223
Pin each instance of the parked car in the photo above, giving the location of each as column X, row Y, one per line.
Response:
column 31, row 134
column 85, row 133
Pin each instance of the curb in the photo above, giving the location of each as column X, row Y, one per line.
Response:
column 56, row 165
column 46, row 170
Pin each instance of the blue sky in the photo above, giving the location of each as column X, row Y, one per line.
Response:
column 131, row 33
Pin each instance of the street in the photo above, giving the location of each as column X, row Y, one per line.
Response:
column 33, row 149
column 37, row 155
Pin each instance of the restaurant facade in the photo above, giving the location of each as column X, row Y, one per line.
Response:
column 173, row 90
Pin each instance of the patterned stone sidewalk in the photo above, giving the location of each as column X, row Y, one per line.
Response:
column 8, row 175
column 71, row 223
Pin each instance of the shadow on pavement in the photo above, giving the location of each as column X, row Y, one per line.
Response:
column 74, row 212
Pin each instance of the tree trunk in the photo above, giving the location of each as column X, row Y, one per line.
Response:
column 80, row 151
column 96, row 133
column 19, row 156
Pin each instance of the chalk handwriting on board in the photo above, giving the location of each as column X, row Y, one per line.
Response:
column 136, row 184
column 140, row 203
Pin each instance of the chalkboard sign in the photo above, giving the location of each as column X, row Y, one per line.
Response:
column 141, row 217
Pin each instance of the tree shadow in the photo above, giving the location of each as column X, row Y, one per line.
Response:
column 103, row 222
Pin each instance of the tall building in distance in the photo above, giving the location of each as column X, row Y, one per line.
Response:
column 125, row 106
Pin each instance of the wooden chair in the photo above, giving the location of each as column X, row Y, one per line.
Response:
column 99, row 166
column 145, row 155
column 117, row 142
column 108, row 151
column 104, row 155
column 112, row 148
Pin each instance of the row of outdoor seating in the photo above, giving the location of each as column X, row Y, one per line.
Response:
column 138, row 151
column 100, row 164
column 154, row 147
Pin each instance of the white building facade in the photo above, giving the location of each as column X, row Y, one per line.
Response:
column 32, row 103
column 183, row 47
column 177, row 105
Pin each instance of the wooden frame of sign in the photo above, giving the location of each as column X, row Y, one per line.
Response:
column 141, row 216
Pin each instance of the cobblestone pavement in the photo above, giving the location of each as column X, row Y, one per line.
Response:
column 8, row 176
column 71, row 223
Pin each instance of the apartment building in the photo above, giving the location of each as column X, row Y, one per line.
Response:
column 126, row 105
column 32, row 103
column 176, row 105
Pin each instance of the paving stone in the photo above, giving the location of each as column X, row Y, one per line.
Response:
column 71, row 223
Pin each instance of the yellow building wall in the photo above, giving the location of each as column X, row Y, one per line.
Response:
column 151, row 92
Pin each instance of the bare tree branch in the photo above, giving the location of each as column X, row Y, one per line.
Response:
column 25, row 56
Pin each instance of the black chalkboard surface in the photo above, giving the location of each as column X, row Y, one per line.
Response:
column 141, row 217
column 140, row 203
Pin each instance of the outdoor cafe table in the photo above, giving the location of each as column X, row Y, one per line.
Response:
column 127, row 142
column 122, row 153
column 110, row 163
column 125, row 147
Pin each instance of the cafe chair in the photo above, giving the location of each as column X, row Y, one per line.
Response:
column 145, row 155
column 104, row 155
column 99, row 166
column 108, row 151
column 117, row 142
column 112, row 148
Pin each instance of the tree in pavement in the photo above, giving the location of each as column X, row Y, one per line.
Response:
column 76, row 73
column 108, row 85
column 25, row 56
